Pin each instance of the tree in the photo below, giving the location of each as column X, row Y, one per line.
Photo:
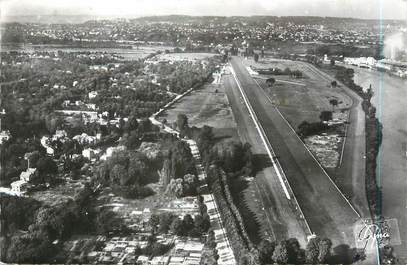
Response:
column 175, row 187
column 132, row 123
column 387, row 255
column 54, row 123
column 325, row 116
column 190, row 184
column 118, row 175
column 270, row 81
column 165, row 222
column 312, row 250
column 256, row 57
column 324, row 250
column 188, row 222
column 33, row 158
column 266, row 249
column 295, row 253
column 26, row 249
column 154, row 221
column 280, row 254
column 182, row 122
column 334, row 103
column 71, row 147
column 177, row 227
column 203, row 209
column 334, row 83
column 132, row 141
column 202, row 223
column 46, row 167
column 287, row 71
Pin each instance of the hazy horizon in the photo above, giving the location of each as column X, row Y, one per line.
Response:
column 361, row 9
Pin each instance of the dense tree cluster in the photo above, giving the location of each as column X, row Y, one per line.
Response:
column 307, row 129
column 127, row 172
column 233, row 157
column 45, row 226
column 178, row 162
column 318, row 251
column 186, row 186
column 187, row 226
column 181, row 76
column 278, row 71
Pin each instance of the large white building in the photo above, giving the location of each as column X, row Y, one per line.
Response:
column 4, row 136
column 23, row 184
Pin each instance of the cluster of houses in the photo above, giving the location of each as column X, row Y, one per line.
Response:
column 124, row 250
column 4, row 136
column 394, row 67
column 23, row 184
column 127, row 250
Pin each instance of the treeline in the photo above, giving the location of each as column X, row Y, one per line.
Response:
column 181, row 76
column 317, row 251
column 32, row 232
column 126, row 172
column 241, row 245
column 278, row 71
column 373, row 130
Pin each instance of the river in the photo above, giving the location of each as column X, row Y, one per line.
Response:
column 390, row 99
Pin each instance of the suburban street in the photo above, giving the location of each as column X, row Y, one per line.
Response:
column 325, row 208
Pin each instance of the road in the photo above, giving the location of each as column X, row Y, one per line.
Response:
column 326, row 210
column 390, row 100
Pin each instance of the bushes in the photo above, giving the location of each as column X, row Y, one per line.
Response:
column 290, row 252
column 307, row 129
column 233, row 157
column 49, row 224
column 188, row 226
column 127, row 172
column 181, row 187
column 17, row 212
column 373, row 130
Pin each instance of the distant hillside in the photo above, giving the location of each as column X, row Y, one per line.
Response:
column 78, row 19
column 50, row 19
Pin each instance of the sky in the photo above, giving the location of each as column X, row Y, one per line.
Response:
column 372, row 9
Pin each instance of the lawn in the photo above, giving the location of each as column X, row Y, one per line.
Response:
column 300, row 99
column 206, row 106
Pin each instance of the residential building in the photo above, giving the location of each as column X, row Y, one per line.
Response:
column 4, row 136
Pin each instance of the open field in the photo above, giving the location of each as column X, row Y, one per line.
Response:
column 205, row 106
column 297, row 102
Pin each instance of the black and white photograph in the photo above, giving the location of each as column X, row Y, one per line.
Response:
column 203, row 132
